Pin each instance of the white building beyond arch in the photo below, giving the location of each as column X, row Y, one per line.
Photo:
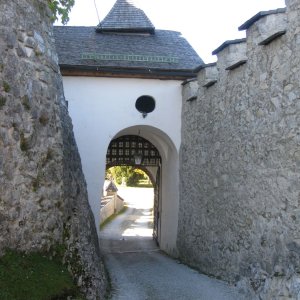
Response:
column 103, row 109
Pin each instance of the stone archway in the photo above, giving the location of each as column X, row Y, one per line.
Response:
column 167, row 179
column 136, row 151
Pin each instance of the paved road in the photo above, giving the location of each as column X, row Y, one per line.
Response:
column 139, row 270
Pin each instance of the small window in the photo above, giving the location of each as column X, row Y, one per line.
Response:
column 145, row 105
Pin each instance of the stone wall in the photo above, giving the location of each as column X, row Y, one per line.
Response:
column 240, row 160
column 110, row 205
column 43, row 198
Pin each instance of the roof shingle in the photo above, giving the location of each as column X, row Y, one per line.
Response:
column 125, row 42
column 125, row 16
column 84, row 47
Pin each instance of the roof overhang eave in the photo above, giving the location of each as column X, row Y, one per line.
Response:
column 78, row 70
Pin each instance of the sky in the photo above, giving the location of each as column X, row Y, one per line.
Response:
column 205, row 24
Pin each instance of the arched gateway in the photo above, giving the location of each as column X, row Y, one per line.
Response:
column 123, row 77
column 133, row 150
column 159, row 156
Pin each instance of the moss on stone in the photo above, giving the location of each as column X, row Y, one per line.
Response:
column 24, row 146
column 25, row 102
column 66, row 231
column 6, row 87
column 50, row 154
column 72, row 257
column 2, row 101
column 37, row 53
column 43, row 119
column 35, row 183
column 48, row 157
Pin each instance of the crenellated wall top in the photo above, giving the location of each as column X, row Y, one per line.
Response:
column 261, row 30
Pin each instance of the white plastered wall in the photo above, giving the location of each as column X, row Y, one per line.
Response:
column 104, row 108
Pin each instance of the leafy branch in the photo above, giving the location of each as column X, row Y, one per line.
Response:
column 61, row 8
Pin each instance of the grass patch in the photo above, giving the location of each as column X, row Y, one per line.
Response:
column 139, row 184
column 112, row 217
column 34, row 276
column 144, row 185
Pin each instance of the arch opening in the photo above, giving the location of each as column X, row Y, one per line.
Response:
column 137, row 153
column 166, row 178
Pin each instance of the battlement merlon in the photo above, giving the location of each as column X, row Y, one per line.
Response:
column 262, row 29
column 208, row 75
column 260, row 15
column 231, row 54
column 190, row 90
column 270, row 25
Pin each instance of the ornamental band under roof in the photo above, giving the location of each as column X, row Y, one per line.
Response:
column 125, row 43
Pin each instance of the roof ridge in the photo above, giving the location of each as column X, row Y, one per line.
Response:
column 125, row 16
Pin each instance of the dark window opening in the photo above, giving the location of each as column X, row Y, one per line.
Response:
column 145, row 104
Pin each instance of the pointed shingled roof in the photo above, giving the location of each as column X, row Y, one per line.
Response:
column 125, row 16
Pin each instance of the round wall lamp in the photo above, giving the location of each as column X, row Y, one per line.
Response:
column 145, row 105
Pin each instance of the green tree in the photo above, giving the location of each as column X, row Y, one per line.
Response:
column 131, row 175
column 61, row 9
column 117, row 173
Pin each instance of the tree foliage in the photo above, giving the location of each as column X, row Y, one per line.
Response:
column 61, row 9
column 131, row 175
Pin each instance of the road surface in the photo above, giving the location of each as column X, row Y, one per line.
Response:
column 139, row 270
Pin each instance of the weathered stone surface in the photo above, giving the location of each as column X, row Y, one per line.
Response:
column 233, row 55
column 239, row 209
column 43, row 198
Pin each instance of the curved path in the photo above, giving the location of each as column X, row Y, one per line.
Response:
column 139, row 270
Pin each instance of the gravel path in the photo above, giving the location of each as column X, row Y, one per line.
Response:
column 139, row 270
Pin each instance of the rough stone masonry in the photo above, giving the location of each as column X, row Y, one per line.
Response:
column 43, row 198
column 239, row 213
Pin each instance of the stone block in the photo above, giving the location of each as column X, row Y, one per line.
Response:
column 271, row 27
column 231, row 54
column 208, row 75
column 189, row 90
